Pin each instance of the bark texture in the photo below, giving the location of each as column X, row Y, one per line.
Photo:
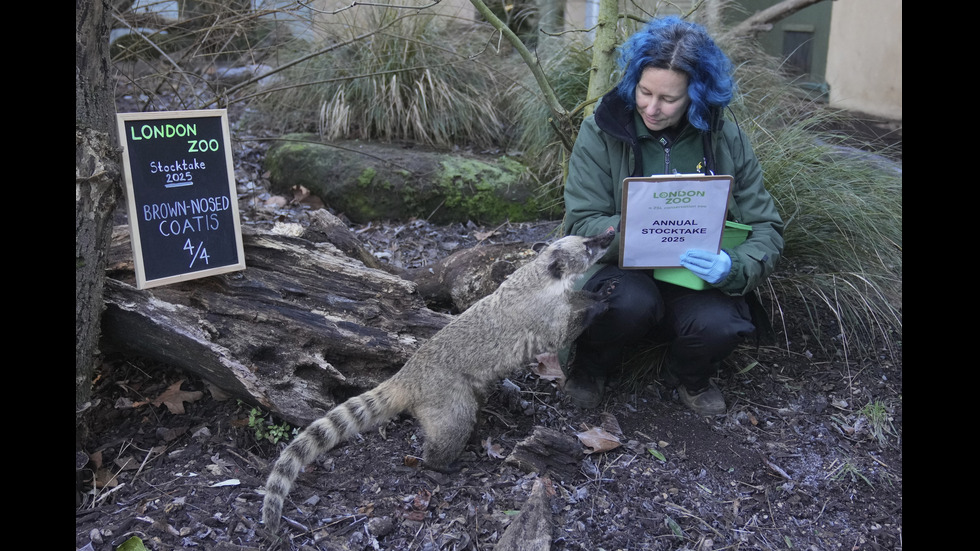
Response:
column 302, row 328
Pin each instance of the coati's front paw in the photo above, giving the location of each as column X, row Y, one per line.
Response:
column 607, row 289
column 598, row 306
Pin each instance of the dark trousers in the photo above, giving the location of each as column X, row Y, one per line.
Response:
column 701, row 327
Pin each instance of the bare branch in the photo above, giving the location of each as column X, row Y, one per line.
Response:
column 762, row 21
column 532, row 63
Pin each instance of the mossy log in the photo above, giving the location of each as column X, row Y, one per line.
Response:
column 367, row 182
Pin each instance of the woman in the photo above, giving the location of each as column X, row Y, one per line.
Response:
column 665, row 117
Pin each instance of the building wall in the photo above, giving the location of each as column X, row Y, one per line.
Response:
column 811, row 24
column 864, row 58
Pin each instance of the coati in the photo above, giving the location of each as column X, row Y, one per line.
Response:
column 534, row 310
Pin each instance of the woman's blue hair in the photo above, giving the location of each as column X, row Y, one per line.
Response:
column 671, row 43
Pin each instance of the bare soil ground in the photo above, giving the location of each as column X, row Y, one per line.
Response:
column 808, row 457
column 799, row 462
column 794, row 465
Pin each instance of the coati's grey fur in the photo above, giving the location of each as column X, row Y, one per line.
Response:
column 533, row 311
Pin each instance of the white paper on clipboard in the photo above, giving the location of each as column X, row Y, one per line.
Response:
column 663, row 216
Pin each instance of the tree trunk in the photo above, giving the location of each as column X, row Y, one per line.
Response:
column 97, row 178
column 603, row 52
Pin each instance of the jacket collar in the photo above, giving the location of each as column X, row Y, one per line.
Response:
column 615, row 118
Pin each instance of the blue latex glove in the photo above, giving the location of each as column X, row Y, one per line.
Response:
column 706, row 265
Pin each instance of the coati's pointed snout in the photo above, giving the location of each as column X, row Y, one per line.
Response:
column 603, row 240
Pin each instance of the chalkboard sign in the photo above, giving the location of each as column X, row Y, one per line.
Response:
column 180, row 189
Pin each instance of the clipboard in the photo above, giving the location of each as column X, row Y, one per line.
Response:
column 665, row 215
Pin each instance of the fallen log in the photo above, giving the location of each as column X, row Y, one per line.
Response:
column 461, row 279
column 312, row 320
column 303, row 327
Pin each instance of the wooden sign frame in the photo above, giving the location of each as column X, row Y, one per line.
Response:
column 181, row 195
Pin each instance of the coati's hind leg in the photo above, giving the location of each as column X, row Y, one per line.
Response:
column 447, row 427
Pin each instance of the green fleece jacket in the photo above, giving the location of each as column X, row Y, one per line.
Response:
column 613, row 144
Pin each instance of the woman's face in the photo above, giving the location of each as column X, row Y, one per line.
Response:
column 661, row 97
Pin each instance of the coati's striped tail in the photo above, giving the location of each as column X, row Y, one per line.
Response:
column 356, row 415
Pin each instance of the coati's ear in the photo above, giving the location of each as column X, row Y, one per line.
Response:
column 539, row 246
column 556, row 267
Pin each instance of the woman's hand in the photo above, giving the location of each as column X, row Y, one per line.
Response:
column 708, row 266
